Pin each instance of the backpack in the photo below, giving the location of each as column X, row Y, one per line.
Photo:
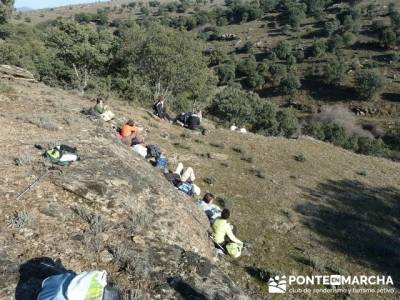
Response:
column 161, row 162
column 174, row 178
column 193, row 122
column 234, row 250
column 62, row 155
column 153, row 151
column 186, row 187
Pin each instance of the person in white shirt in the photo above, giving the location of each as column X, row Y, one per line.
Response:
column 211, row 210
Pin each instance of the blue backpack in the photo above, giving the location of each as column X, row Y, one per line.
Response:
column 161, row 162
column 186, row 187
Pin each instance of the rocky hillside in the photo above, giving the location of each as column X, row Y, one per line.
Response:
column 112, row 210
column 303, row 207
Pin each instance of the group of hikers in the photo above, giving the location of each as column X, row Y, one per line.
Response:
column 183, row 178
column 68, row 285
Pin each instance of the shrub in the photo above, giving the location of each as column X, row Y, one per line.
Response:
column 246, row 66
column 369, row 83
column 253, row 80
column 291, row 60
column 349, row 39
column 295, row 12
column 144, row 11
column 334, row 71
column 300, row 157
column 20, row 219
column 315, row 129
column 282, row 50
column 235, row 106
column 387, row 38
column 6, row 9
column 288, row 122
column 318, row 48
column 268, row 5
column 278, row 72
column 290, row 84
column 226, row 73
column 24, row 159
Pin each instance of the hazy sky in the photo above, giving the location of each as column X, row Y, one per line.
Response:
column 48, row 3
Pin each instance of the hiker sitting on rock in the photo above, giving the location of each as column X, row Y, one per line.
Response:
column 160, row 109
column 224, row 237
column 211, row 210
column 190, row 120
column 103, row 110
column 130, row 134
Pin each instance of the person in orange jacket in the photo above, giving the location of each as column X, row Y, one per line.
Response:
column 130, row 134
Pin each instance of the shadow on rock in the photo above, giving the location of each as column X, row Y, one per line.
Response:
column 185, row 290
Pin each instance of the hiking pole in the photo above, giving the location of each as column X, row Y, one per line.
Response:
column 33, row 184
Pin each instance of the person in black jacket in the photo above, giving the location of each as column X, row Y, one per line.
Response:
column 160, row 109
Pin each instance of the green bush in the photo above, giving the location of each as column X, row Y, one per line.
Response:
column 290, row 84
column 330, row 27
column 226, row 73
column 246, row 66
column 282, row 50
column 333, row 71
column 6, row 8
column 387, row 38
column 349, row 39
column 278, row 72
column 235, row 106
column 288, row 122
column 369, row 83
column 318, row 48
column 295, row 12
column 337, row 135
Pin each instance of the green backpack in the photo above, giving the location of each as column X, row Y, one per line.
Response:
column 234, row 250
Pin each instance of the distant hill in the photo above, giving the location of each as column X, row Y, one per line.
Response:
column 24, row 9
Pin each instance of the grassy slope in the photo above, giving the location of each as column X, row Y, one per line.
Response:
column 333, row 213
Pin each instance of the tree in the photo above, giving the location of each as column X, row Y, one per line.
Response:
column 290, row 84
column 349, row 38
column 369, row 83
column 318, row 48
column 226, row 73
column 6, row 9
column 283, row 49
column 288, row 122
column 278, row 72
column 157, row 55
column 334, row 71
column 295, row 12
column 82, row 47
column 387, row 38
column 330, row 27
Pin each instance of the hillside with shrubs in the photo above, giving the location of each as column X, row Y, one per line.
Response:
column 301, row 55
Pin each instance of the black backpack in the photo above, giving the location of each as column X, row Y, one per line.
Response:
column 193, row 122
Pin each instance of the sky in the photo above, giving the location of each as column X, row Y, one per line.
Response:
column 48, row 3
